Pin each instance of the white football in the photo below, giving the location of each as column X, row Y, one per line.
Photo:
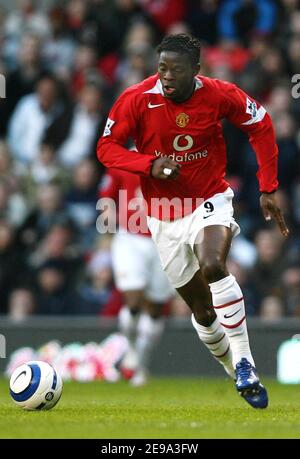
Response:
column 35, row 385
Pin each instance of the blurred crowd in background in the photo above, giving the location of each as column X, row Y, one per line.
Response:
column 65, row 62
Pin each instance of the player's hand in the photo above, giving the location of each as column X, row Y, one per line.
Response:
column 271, row 210
column 165, row 169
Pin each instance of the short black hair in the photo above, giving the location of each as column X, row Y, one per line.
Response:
column 182, row 43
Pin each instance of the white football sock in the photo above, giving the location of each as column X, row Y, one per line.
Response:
column 149, row 331
column 229, row 305
column 128, row 323
column 216, row 340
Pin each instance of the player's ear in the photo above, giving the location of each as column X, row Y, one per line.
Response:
column 197, row 69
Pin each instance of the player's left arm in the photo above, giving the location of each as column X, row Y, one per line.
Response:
column 251, row 117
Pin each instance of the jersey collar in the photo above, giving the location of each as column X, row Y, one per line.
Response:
column 157, row 88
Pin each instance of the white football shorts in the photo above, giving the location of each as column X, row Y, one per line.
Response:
column 175, row 240
column 137, row 266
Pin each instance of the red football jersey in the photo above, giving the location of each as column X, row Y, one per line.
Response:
column 188, row 132
column 125, row 189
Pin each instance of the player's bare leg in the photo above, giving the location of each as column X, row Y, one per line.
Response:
column 228, row 303
column 196, row 294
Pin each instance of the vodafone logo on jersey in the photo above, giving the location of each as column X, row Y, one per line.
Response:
column 187, row 146
column 182, row 143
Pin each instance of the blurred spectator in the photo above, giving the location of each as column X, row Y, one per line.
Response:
column 26, row 18
column 265, row 68
column 270, row 264
column 272, row 64
column 81, row 199
column 98, row 293
column 271, row 309
column 59, row 245
column 164, row 12
column 139, row 33
column 291, row 289
column 139, row 58
column 59, row 50
column 33, row 114
column 294, row 55
column 53, row 296
column 21, row 304
column 279, row 101
column 23, row 78
column 13, row 207
column 295, row 22
column 289, row 153
column 10, row 171
column 250, row 79
column 76, row 12
column 86, row 120
column 227, row 56
column 137, row 63
column 238, row 19
column 123, row 15
column 48, row 211
column 44, row 170
column 202, row 19
column 12, row 267
column 85, row 68
column 296, row 202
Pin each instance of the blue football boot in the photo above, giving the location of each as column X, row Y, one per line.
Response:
column 249, row 386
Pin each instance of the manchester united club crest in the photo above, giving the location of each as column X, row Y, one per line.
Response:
column 182, row 120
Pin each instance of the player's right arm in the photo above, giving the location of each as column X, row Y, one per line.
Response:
column 123, row 123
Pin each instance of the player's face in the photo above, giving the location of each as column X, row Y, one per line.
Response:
column 177, row 73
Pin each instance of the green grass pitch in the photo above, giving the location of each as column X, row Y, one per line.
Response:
column 165, row 408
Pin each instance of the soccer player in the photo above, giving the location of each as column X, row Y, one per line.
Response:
column 138, row 273
column 175, row 119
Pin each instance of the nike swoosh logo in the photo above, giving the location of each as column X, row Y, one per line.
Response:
column 23, row 373
column 227, row 316
column 154, row 105
column 208, row 216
